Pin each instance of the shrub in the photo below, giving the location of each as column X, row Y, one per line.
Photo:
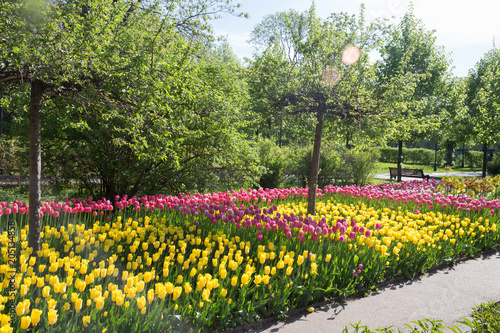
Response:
column 474, row 158
column 298, row 165
column 419, row 156
column 359, row 165
column 272, row 158
column 494, row 167
column 14, row 157
column 412, row 155
column 388, row 155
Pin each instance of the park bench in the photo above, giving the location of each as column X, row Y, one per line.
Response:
column 415, row 173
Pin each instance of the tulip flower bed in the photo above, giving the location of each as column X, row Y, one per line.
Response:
column 217, row 261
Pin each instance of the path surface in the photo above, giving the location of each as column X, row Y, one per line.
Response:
column 447, row 294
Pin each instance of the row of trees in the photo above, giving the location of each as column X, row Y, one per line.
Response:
column 142, row 95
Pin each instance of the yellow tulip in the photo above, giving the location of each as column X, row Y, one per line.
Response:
column 46, row 291
column 25, row 322
column 24, row 289
column 160, row 290
column 78, row 304
column 35, row 316
column 119, row 299
column 99, row 302
column 245, row 278
column 177, row 293
column 151, row 295
column 20, row 309
column 169, row 287
column 52, row 316
column 141, row 302
column 51, row 303
column 86, row 321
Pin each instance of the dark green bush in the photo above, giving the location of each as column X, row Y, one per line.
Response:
column 291, row 166
column 474, row 158
column 412, row 155
column 418, row 156
column 388, row 154
column 271, row 157
column 494, row 167
column 359, row 165
column 298, row 165
column 14, row 157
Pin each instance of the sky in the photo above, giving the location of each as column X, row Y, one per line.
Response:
column 466, row 29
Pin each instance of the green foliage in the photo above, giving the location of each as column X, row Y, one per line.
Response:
column 473, row 158
column 420, row 156
column 413, row 73
column 485, row 318
column 272, row 157
column 359, row 165
column 301, row 68
column 139, row 99
column 13, row 157
column 483, row 98
column 494, row 166
column 388, row 154
column 300, row 161
column 290, row 166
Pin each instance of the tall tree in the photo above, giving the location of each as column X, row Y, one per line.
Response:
column 103, row 53
column 205, row 151
column 306, row 65
column 417, row 67
column 483, row 101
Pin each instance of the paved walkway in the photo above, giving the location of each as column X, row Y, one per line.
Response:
column 434, row 175
column 447, row 294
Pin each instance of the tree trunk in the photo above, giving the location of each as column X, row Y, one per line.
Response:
column 313, row 179
column 37, row 89
column 449, row 153
column 485, row 159
column 400, row 158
